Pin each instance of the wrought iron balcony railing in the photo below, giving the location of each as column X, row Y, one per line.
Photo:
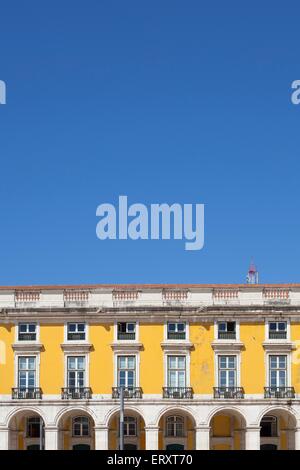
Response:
column 277, row 335
column 76, row 336
column 177, row 392
column 176, row 335
column 226, row 335
column 126, row 336
column 229, row 392
column 27, row 337
column 76, row 393
column 30, row 393
column 280, row 392
column 129, row 392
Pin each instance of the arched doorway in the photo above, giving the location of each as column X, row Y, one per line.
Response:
column 277, row 430
column 76, row 431
column 227, row 430
column 176, row 430
column 134, row 431
column 26, row 431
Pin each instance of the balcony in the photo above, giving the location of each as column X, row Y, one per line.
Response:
column 30, row 393
column 277, row 335
column 226, row 335
column 178, row 392
column 229, row 392
column 76, row 393
column 280, row 392
column 126, row 336
column 129, row 392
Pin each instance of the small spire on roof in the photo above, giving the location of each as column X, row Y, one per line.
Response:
column 252, row 276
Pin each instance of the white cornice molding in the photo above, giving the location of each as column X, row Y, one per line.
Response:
column 279, row 346
column 27, row 347
column 176, row 345
column 227, row 346
column 76, row 347
column 129, row 346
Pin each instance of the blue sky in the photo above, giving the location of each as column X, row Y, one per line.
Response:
column 163, row 101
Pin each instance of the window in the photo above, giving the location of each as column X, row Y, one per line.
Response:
column 76, row 371
column 126, row 371
column 130, row 426
column 268, row 426
column 227, row 371
column 27, row 372
column 227, row 330
column 278, row 330
column 81, row 426
column 278, row 371
column 27, row 332
column 126, row 330
column 176, row 371
column 175, row 426
column 76, row 331
column 34, row 427
column 176, row 330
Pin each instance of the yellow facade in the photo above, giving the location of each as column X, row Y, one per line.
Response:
column 101, row 363
column 229, row 379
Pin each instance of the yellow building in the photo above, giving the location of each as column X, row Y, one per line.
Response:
column 202, row 366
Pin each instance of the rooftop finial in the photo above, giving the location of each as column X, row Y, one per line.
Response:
column 252, row 276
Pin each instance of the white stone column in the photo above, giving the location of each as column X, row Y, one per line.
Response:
column 297, row 439
column 253, row 438
column 51, row 438
column 151, row 437
column 202, row 437
column 101, row 438
column 4, row 434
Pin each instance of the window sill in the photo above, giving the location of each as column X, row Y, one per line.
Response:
column 279, row 345
column 76, row 346
column 227, row 345
column 27, row 346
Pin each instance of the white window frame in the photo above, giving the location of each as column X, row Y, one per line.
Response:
column 288, row 330
column 288, row 366
column 37, row 330
column 137, row 332
column 187, row 367
column 176, row 415
column 90, row 427
column 136, row 427
column 87, row 368
column 226, row 320
column 37, row 367
column 227, row 369
column 73, row 341
column 187, row 331
column 238, row 367
column 137, row 366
